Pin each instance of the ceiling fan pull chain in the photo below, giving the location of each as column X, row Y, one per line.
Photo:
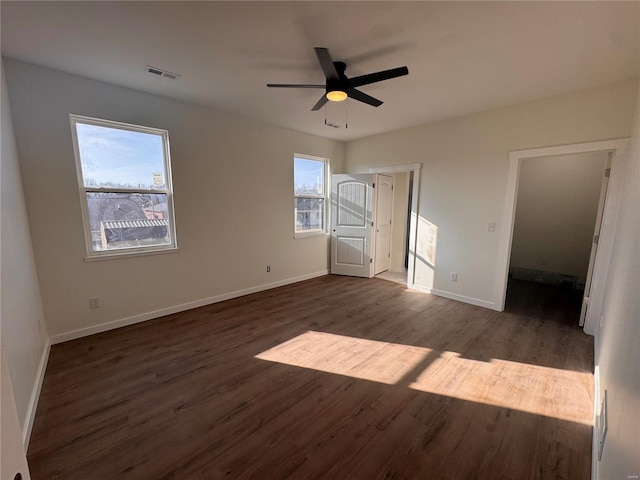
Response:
column 328, row 122
column 346, row 114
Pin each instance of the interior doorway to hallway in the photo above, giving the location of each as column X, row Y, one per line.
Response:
column 353, row 221
column 403, row 212
column 559, row 204
column 597, row 274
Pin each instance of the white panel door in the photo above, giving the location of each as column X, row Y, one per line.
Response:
column 352, row 224
column 383, row 214
column 596, row 237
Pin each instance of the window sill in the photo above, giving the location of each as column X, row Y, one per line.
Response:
column 139, row 253
column 310, row 234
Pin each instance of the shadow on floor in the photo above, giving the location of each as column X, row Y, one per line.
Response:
column 560, row 304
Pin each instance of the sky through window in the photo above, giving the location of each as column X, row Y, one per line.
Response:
column 113, row 157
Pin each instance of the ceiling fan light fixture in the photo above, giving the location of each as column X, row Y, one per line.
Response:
column 336, row 95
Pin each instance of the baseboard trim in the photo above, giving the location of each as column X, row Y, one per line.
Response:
column 123, row 322
column 35, row 395
column 454, row 296
column 595, row 474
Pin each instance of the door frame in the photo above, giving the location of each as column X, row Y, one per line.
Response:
column 617, row 148
column 413, row 221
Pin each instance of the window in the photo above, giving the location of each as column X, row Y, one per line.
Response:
column 310, row 194
column 124, row 178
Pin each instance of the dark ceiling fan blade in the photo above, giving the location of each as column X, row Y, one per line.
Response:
column 326, row 62
column 293, row 85
column 363, row 97
column 320, row 104
column 378, row 76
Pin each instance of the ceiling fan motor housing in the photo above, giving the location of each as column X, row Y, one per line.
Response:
column 342, row 82
column 338, row 84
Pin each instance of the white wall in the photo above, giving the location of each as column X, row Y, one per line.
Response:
column 617, row 355
column 556, row 213
column 464, row 175
column 24, row 341
column 233, row 183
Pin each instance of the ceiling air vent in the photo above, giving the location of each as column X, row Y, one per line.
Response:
column 161, row 73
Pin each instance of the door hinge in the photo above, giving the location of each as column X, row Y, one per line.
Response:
column 585, row 300
column 596, row 239
column 371, row 260
column 607, row 172
column 372, row 224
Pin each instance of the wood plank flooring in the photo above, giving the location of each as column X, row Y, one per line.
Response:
column 332, row 378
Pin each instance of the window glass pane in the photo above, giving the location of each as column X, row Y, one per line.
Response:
column 308, row 177
column 125, row 220
column 309, row 214
column 116, row 158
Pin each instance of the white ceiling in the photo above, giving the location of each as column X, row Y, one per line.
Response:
column 463, row 57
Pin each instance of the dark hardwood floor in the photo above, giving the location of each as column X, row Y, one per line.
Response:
column 332, row 378
column 558, row 304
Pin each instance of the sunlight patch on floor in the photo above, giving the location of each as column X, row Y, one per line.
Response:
column 381, row 362
column 535, row 389
column 529, row 388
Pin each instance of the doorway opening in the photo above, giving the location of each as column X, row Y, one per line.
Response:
column 403, row 221
column 604, row 224
column 400, row 226
column 559, row 200
column 354, row 211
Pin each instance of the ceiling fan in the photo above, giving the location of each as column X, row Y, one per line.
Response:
column 338, row 86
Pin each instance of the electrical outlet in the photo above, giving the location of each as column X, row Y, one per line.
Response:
column 94, row 302
column 491, row 227
column 453, row 277
column 268, row 268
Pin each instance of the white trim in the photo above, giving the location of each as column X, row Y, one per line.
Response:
column 396, row 168
column 316, row 233
column 413, row 223
column 135, row 253
column 596, row 406
column 616, row 146
column 123, row 322
column 326, row 195
column 35, row 395
column 600, row 146
column 454, row 296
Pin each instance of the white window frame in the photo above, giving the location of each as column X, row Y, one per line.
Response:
column 92, row 254
column 325, row 196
